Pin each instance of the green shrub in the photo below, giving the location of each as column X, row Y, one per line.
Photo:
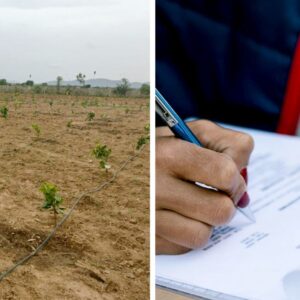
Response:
column 36, row 129
column 52, row 200
column 90, row 116
column 4, row 112
column 102, row 153
column 145, row 89
column 144, row 139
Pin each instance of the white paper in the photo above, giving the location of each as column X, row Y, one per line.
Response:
column 245, row 260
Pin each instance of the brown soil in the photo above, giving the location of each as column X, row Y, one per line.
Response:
column 102, row 251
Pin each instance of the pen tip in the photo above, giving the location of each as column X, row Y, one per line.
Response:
column 249, row 214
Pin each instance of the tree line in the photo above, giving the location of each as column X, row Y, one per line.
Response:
column 120, row 90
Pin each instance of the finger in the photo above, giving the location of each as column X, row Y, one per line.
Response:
column 236, row 144
column 165, row 247
column 181, row 230
column 187, row 199
column 163, row 131
column 192, row 163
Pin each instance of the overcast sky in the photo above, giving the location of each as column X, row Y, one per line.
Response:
column 47, row 38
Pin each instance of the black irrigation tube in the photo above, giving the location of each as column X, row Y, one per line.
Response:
column 66, row 216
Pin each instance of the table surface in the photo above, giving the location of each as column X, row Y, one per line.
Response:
column 165, row 294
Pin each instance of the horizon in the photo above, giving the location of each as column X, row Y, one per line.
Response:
column 68, row 80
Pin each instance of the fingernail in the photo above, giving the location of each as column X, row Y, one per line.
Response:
column 244, row 201
column 244, row 173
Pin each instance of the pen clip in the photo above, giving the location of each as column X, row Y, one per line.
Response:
column 164, row 113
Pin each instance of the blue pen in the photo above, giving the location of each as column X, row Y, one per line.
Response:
column 182, row 131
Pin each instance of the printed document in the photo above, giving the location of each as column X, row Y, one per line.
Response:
column 243, row 260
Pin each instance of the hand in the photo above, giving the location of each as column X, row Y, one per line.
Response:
column 186, row 213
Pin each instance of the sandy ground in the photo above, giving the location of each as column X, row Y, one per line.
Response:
column 102, row 251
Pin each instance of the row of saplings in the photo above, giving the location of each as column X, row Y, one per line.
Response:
column 4, row 114
column 102, row 153
column 52, row 199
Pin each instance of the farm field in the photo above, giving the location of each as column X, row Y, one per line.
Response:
column 102, row 250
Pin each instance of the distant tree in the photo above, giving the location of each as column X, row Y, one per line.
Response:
column 59, row 79
column 145, row 89
column 29, row 83
column 122, row 88
column 80, row 78
column 3, row 82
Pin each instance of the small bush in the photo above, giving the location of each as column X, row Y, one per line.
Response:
column 144, row 139
column 147, row 128
column 102, row 153
column 4, row 112
column 90, row 116
column 52, row 200
column 37, row 89
column 84, row 103
column 36, row 129
column 145, row 89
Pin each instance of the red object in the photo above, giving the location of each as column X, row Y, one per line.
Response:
column 244, row 201
column 244, row 173
column 289, row 117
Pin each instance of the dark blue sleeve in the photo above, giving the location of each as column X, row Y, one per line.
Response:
column 227, row 60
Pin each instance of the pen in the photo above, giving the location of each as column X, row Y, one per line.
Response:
column 182, row 131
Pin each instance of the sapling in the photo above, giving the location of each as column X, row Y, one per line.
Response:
column 144, row 139
column 4, row 112
column 102, row 153
column 52, row 199
column 84, row 103
column 90, row 116
column 147, row 128
column 69, row 124
column 37, row 130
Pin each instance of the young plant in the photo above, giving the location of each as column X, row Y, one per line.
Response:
column 52, row 200
column 4, row 112
column 84, row 103
column 102, row 153
column 144, row 139
column 90, row 116
column 33, row 99
column 147, row 128
column 69, row 124
column 36, row 129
